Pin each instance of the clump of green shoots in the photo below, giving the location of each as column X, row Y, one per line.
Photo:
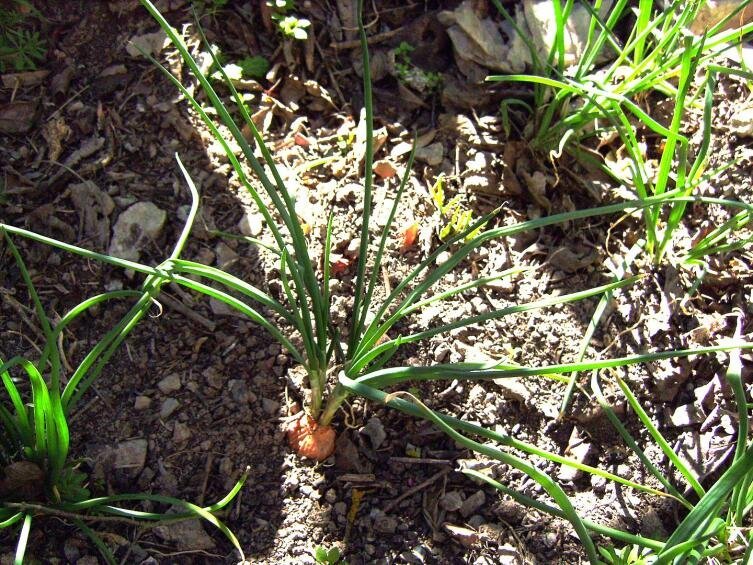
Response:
column 576, row 110
column 40, row 479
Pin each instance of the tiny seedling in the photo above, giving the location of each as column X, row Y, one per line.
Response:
column 209, row 8
column 331, row 556
column 409, row 73
column 453, row 213
column 290, row 25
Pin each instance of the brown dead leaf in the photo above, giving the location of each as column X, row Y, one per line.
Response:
column 464, row 536
column 20, row 80
column 23, row 480
column 95, row 207
column 17, row 117
column 359, row 146
column 536, row 184
column 384, row 169
column 346, row 10
column 55, row 132
column 568, row 261
column 45, row 217
column 61, row 81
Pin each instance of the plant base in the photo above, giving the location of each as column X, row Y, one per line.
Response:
column 308, row 439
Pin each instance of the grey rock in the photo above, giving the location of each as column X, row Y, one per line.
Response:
column 431, row 154
column 225, row 256
column 131, row 455
column 270, row 406
column 472, row 503
column 578, row 449
column 219, row 308
column 442, row 258
column 251, row 224
column 181, row 432
column 169, row 406
column 375, row 430
column 147, row 44
column 441, row 352
column 171, row 383
column 134, row 228
column 686, row 415
column 509, row 555
column 240, row 392
column 383, row 523
column 215, row 378
column 451, row 501
column 188, row 535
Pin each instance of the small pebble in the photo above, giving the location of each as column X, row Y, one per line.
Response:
column 169, row 406
column 451, row 501
column 181, row 433
column 270, row 406
column 142, row 403
column 170, row 384
column 472, row 503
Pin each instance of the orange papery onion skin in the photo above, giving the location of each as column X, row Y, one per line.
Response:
column 308, row 439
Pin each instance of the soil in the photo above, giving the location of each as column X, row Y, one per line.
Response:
column 206, row 393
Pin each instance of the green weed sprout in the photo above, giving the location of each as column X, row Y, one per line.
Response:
column 40, row 479
column 360, row 365
column 20, row 48
column 572, row 109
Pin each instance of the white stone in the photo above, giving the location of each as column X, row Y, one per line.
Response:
column 135, row 227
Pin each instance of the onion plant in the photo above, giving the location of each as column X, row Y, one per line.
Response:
column 576, row 110
column 40, row 479
column 360, row 360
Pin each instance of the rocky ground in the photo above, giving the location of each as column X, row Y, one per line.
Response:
column 198, row 394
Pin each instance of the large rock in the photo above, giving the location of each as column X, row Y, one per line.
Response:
column 714, row 11
column 135, row 227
